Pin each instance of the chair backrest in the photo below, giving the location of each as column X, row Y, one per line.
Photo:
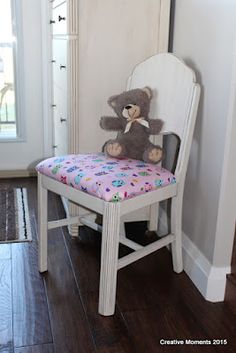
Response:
column 175, row 98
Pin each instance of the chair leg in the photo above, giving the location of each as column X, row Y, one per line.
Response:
column 176, row 229
column 73, row 211
column 42, row 225
column 122, row 228
column 154, row 214
column 109, row 259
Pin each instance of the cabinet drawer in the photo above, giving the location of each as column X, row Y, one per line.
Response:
column 59, row 19
column 60, row 68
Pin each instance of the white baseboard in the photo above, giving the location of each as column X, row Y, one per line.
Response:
column 210, row 280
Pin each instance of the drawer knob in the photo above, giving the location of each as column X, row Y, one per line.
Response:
column 61, row 18
column 53, row 61
column 54, row 105
column 62, row 67
column 52, row 21
column 62, row 120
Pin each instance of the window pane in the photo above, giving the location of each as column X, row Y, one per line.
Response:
column 8, row 126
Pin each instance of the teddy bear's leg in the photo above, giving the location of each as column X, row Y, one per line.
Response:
column 153, row 154
column 114, row 148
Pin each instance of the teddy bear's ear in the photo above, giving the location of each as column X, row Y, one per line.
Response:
column 148, row 91
column 112, row 101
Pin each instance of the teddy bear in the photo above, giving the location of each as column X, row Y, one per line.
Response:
column 133, row 126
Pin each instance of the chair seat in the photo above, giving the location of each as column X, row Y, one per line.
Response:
column 110, row 179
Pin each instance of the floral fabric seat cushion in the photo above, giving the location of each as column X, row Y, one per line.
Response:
column 109, row 179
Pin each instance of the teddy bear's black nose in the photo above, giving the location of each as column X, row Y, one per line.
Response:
column 128, row 107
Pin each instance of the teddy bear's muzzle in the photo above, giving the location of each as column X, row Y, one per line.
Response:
column 131, row 112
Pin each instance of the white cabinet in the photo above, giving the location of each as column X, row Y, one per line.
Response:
column 96, row 44
column 65, row 64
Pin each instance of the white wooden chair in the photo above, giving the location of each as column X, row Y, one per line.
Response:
column 176, row 102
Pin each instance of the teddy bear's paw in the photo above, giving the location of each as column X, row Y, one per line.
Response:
column 113, row 149
column 153, row 155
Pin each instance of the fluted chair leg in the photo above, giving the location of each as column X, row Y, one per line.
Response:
column 176, row 229
column 109, row 259
column 42, row 226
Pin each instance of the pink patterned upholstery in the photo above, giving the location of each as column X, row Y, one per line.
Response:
column 109, row 179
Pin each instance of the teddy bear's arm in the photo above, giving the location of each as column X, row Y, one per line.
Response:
column 155, row 126
column 110, row 123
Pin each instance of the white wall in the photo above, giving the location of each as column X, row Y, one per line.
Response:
column 204, row 35
column 23, row 155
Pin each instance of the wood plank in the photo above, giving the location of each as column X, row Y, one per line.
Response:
column 157, row 309
column 5, row 251
column 160, row 295
column 70, row 328
column 44, row 348
column 152, row 301
column 233, row 260
column 110, row 334
column 148, row 328
column 30, row 310
column 6, row 349
column 5, row 306
column 3, row 206
column 230, row 293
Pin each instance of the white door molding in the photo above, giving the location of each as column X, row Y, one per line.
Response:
column 47, row 78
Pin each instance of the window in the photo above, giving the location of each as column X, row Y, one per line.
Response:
column 11, row 97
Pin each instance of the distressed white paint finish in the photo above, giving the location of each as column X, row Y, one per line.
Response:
column 131, row 244
column 144, row 251
column 113, row 213
column 109, row 258
column 168, row 93
column 92, row 224
column 63, row 222
column 153, row 217
column 174, row 101
column 176, row 228
column 42, row 225
column 77, row 196
column 160, row 194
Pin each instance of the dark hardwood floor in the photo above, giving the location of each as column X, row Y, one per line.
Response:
column 57, row 312
column 230, row 295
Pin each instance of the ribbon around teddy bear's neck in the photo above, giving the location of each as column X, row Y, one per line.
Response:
column 141, row 121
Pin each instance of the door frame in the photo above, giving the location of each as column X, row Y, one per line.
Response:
column 225, row 227
column 48, row 137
